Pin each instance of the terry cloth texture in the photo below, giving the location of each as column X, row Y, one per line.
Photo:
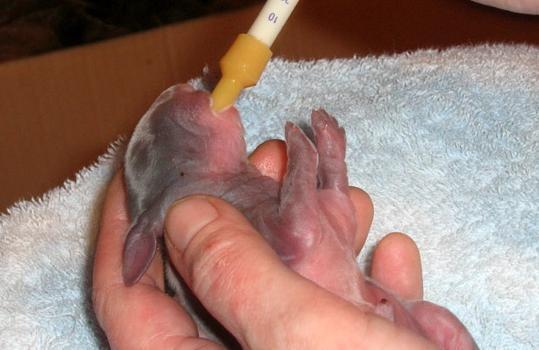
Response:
column 446, row 143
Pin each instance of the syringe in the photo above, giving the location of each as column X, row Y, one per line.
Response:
column 244, row 62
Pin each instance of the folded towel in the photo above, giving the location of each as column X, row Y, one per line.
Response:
column 446, row 143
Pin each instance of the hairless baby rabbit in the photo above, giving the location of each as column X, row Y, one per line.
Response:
column 180, row 147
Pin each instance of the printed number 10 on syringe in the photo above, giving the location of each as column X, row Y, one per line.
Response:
column 271, row 20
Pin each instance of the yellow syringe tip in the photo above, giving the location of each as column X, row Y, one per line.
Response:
column 225, row 93
column 241, row 67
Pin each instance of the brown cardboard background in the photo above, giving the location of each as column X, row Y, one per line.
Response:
column 59, row 111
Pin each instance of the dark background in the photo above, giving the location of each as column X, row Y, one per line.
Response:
column 29, row 27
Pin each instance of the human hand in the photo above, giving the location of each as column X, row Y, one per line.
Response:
column 242, row 282
column 521, row 6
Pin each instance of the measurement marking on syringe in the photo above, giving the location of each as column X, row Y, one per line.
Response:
column 273, row 17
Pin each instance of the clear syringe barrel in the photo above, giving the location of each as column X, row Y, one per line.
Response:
column 271, row 20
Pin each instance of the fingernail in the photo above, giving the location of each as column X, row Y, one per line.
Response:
column 186, row 218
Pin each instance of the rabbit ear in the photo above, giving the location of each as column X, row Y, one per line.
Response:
column 139, row 250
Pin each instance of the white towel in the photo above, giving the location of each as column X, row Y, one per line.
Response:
column 446, row 143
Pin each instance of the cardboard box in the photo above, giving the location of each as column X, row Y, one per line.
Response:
column 59, row 111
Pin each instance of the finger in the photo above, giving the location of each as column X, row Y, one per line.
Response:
column 270, row 159
column 213, row 247
column 141, row 316
column 244, row 284
column 520, row 6
column 396, row 264
column 364, row 211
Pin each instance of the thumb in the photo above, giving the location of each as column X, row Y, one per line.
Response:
column 243, row 283
column 230, row 268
